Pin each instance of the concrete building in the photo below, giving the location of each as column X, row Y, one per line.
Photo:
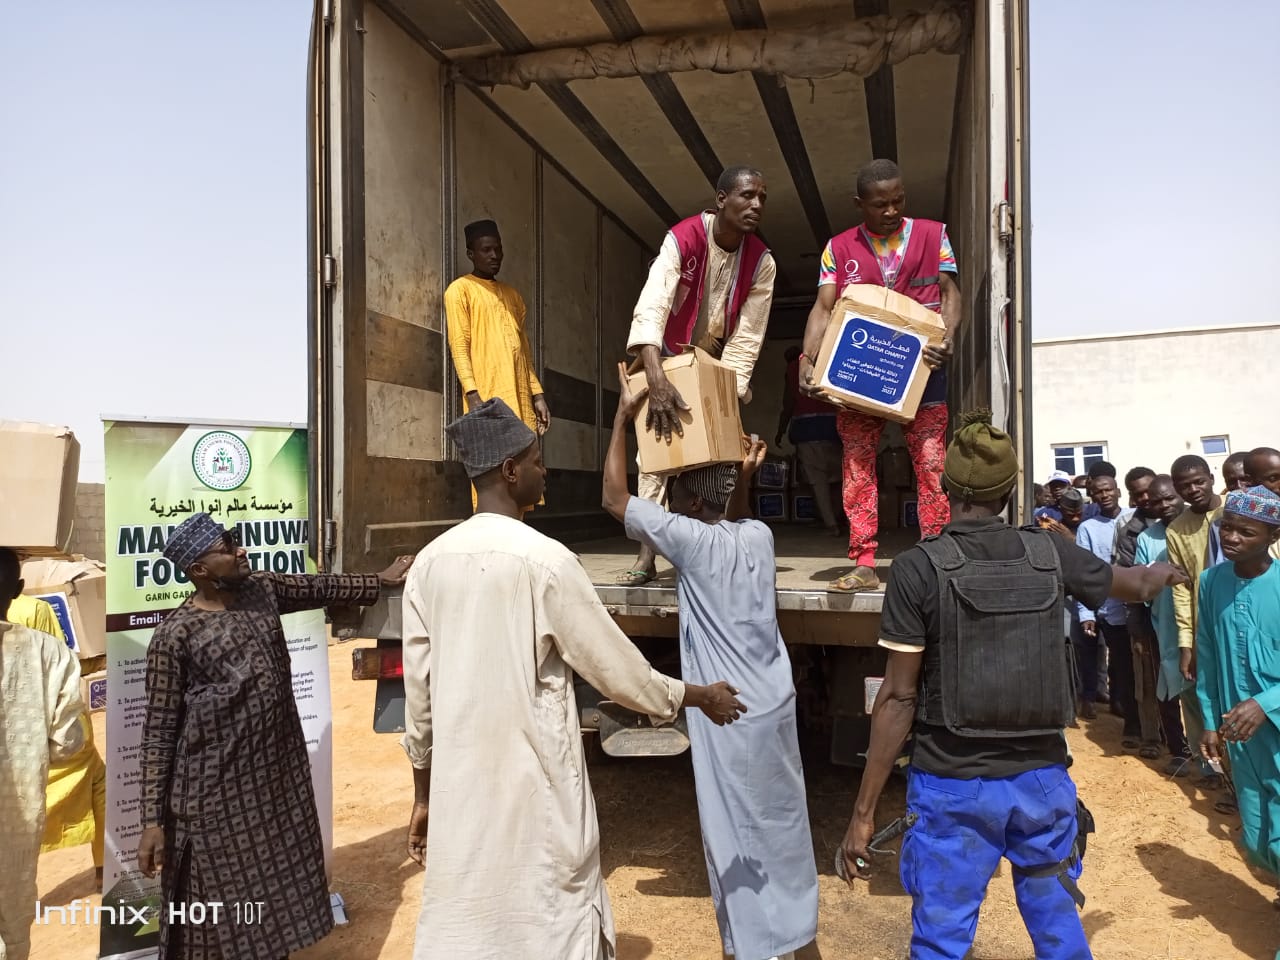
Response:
column 1144, row 399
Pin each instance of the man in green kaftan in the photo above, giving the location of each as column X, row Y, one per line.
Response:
column 1238, row 657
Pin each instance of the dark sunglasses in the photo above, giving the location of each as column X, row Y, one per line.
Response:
column 228, row 543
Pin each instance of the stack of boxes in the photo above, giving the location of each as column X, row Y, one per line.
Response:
column 39, row 468
column 771, row 489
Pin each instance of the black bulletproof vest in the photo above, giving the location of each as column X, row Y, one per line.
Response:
column 1002, row 666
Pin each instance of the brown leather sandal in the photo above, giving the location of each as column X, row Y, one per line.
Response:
column 853, row 582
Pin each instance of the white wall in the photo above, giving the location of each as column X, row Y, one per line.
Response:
column 1152, row 397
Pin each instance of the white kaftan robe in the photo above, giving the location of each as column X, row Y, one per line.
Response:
column 497, row 617
column 40, row 710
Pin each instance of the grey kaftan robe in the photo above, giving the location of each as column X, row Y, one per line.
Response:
column 750, row 785
column 497, row 617
column 225, row 770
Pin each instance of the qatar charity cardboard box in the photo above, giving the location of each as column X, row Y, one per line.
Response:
column 77, row 591
column 93, row 691
column 712, row 424
column 872, row 355
column 39, row 465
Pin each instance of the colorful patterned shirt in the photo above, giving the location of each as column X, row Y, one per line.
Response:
column 889, row 252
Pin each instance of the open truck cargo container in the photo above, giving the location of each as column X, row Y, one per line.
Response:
column 584, row 176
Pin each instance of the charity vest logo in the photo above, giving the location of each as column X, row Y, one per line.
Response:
column 221, row 460
column 851, row 272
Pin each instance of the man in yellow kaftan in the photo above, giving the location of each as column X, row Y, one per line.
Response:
column 487, row 339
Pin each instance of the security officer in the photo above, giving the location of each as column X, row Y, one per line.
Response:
column 979, row 671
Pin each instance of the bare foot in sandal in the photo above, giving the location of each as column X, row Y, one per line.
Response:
column 644, row 570
column 857, row 580
column 635, row 578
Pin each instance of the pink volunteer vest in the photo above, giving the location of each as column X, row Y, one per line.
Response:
column 691, row 240
column 856, row 262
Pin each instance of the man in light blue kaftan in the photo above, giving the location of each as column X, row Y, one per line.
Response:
column 750, row 785
column 1238, row 657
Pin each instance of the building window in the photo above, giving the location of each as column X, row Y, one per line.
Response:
column 1077, row 458
column 1215, row 446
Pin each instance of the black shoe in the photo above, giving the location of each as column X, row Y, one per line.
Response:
column 1088, row 712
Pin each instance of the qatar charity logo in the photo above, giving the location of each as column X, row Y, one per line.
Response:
column 221, row 460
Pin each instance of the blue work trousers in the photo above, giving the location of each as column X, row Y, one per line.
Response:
column 951, row 853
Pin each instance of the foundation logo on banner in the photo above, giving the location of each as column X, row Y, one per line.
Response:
column 221, row 460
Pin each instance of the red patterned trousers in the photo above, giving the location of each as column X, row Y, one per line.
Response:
column 927, row 443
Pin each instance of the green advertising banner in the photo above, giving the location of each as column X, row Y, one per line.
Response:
column 253, row 479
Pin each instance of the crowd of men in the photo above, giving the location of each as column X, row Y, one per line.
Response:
column 1158, row 666
column 997, row 638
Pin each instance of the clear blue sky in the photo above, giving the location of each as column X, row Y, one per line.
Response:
column 152, row 205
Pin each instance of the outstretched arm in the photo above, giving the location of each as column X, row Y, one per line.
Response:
column 739, row 505
column 1142, row 584
column 616, row 496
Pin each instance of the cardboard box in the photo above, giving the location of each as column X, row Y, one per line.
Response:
column 39, row 466
column 803, row 509
column 769, row 506
column 712, row 425
column 772, row 474
column 910, row 515
column 93, row 691
column 77, row 591
column 872, row 356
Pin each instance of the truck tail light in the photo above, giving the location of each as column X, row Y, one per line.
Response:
column 374, row 663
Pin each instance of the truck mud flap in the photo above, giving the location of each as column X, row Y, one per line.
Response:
column 388, row 706
column 625, row 733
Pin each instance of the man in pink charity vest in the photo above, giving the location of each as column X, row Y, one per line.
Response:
column 913, row 257
column 711, row 285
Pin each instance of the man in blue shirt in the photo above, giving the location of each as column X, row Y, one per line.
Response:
column 1059, row 482
column 1154, row 624
column 1097, row 534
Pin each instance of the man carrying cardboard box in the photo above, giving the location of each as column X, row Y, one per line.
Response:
column 912, row 256
column 711, row 286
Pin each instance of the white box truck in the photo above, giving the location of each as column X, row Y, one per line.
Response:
column 586, row 128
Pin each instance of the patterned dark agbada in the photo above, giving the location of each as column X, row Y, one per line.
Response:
column 225, row 770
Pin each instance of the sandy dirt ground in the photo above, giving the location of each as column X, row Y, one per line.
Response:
column 1163, row 875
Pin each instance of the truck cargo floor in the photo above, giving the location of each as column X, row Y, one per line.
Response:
column 808, row 559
